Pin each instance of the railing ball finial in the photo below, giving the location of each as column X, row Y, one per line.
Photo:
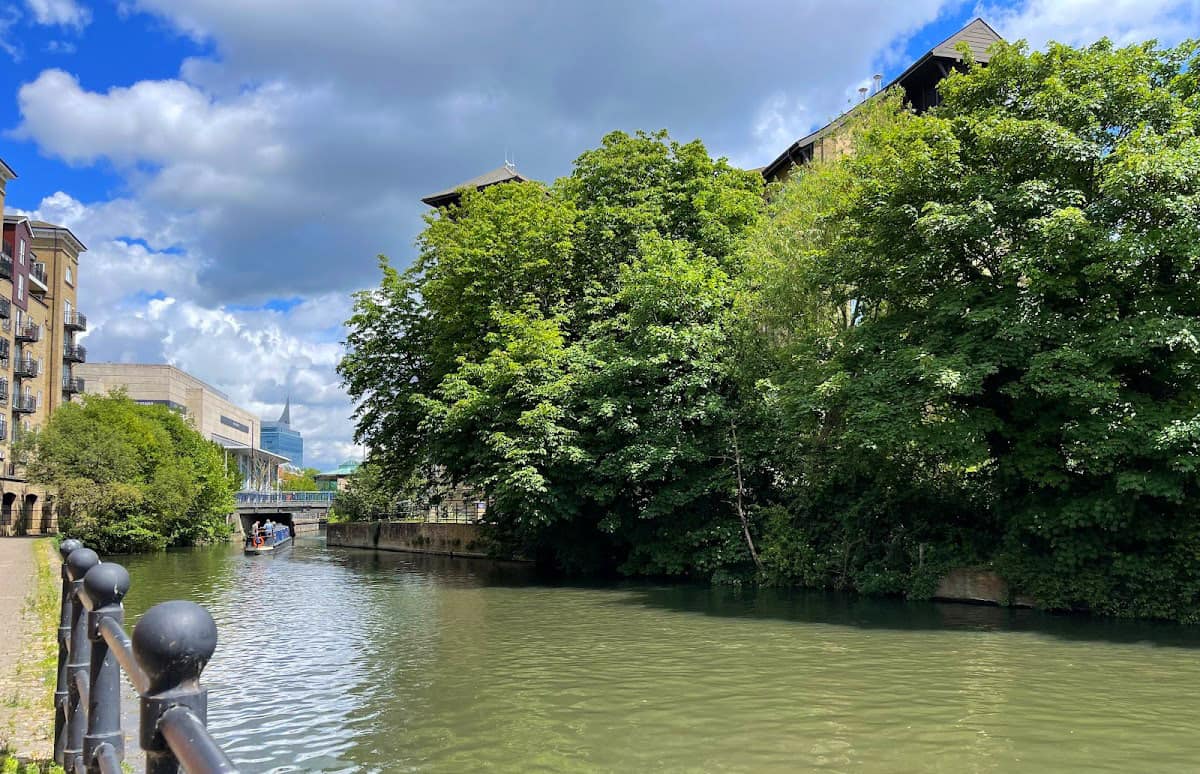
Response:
column 173, row 642
column 80, row 561
column 67, row 546
column 103, row 585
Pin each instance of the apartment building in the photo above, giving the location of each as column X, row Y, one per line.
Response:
column 209, row 410
column 40, row 323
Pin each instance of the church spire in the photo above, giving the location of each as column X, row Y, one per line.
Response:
column 286, row 417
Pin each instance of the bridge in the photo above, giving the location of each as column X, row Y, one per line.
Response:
column 306, row 512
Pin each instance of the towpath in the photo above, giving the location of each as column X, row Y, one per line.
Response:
column 22, row 688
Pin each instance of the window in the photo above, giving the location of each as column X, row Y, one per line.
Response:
column 67, row 306
column 21, row 253
column 20, row 287
column 39, row 399
column 70, row 281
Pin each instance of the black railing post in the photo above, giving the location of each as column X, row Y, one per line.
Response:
column 172, row 643
column 104, row 586
column 79, row 562
column 64, row 641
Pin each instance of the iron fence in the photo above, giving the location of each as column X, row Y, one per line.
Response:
column 282, row 498
column 445, row 512
column 171, row 645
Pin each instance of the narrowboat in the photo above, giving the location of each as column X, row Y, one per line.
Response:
column 267, row 539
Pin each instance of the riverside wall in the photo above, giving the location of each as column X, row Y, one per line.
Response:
column 413, row 537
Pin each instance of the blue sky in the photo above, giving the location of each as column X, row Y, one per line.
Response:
column 235, row 166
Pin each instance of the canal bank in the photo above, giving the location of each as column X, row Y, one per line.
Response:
column 409, row 537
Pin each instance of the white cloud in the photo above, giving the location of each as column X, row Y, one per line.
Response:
column 61, row 13
column 1081, row 22
column 140, row 307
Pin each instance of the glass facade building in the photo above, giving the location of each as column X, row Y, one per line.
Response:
column 278, row 437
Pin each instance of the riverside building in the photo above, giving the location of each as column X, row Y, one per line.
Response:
column 919, row 82
column 40, row 349
column 208, row 409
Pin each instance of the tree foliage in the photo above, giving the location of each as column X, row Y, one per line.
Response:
column 130, row 477
column 972, row 339
column 1017, row 384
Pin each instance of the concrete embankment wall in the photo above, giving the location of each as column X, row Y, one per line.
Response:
column 414, row 537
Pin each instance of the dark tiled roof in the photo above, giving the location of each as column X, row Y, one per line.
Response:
column 504, row 174
column 979, row 37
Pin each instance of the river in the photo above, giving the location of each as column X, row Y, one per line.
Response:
column 346, row 660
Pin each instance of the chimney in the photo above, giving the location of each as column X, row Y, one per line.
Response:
column 878, row 79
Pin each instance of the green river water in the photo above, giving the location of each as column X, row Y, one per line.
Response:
column 345, row 660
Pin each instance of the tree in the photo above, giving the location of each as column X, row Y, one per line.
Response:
column 303, row 481
column 130, row 477
column 1016, row 383
column 368, row 495
column 482, row 361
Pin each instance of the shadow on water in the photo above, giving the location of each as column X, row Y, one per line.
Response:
column 845, row 609
column 801, row 606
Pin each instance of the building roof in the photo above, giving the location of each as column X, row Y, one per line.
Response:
column 6, row 172
column 52, row 231
column 286, row 417
column 979, row 37
column 346, row 468
column 505, row 174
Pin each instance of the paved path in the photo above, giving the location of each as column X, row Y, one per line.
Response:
column 23, row 724
column 16, row 580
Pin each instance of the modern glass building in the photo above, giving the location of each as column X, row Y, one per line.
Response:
column 278, row 437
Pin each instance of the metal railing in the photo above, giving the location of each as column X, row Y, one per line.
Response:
column 73, row 353
column 25, row 367
column 23, row 404
column 171, row 645
column 283, row 498
column 28, row 331
column 37, row 271
column 445, row 512
column 72, row 384
column 75, row 321
column 5, row 308
column 6, row 266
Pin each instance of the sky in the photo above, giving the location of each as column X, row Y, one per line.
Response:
column 235, row 167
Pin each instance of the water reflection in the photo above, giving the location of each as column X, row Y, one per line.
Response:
column 337, row 660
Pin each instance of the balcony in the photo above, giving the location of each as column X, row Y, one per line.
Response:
column 73, row 353
column 5, row 308
column 3, row 430
column 5, row 266
column 75, row 321
column 37, row 278
column 28, row 331
column 72, row 385
column 23, row 404
column 25, row 368
column 3, row 393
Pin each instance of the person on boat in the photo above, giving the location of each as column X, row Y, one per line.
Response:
column 254, row 528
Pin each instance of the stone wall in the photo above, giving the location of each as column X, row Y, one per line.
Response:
column 972, row 584
column 414, row 537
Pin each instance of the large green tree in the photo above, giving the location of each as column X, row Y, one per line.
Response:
column 484, row 360
column 1016, row 380
column 130, row 477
